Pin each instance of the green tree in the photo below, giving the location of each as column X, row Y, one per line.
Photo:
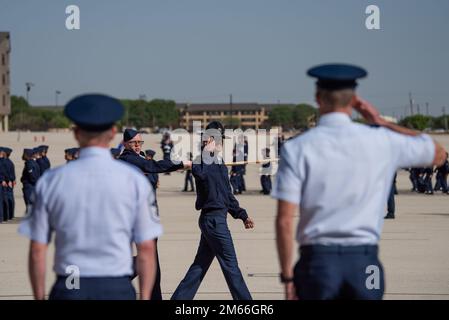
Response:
column 302, row 114
column 231, row 122
column 292, row 117
column 441, row 122
column 281, row 116
column 417, row 122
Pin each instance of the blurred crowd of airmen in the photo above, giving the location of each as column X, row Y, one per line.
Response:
column 36, row 163
column 421, row 179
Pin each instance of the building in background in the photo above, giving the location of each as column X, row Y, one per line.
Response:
column 5, row 97
column 243, row 115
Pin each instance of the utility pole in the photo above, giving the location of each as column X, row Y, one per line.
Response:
column 28, row 86
column 419, row 111
column 445, row 118
column 427, row 109
column 230, row 107
column 411, row 103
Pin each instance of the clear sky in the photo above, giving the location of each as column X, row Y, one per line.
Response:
column 203, row 50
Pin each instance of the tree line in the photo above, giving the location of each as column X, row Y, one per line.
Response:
column 160, row 113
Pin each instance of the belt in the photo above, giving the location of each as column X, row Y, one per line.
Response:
column 214, row 211
column 338, row 249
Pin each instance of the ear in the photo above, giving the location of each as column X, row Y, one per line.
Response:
column 317, row 98
column 76, row 132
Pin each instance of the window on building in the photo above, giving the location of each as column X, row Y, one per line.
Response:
column 4, row 79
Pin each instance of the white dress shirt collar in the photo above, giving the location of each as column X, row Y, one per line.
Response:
column 95, row 151
column 334, row 119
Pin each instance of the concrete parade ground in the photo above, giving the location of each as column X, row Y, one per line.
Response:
column 414, row 247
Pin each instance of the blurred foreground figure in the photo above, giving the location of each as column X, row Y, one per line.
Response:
column 96, row 223
column 340, row 174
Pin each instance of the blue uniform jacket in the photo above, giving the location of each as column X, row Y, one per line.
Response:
column 41, row 163
column 4, row 174
column 214, row 190
column 30, row 173
column 10, row 169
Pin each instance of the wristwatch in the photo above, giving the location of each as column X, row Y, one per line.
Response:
column 285, row 279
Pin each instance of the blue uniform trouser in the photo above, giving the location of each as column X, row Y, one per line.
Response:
column 216, row 241
column 390, row 204
column 188, row 180
column 339, row 272
column 414, row 181
column 4, row 203
column 2, row 215
column 441, row 183
column 242, row 183
column 156, row 294
column 27, row 192
column 428, row 183
column 236, row 183
column 11, row 202
column 108, row 288
column 265, row 181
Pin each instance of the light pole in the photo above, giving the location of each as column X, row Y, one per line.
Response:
column 57, row 93
column 28, row 86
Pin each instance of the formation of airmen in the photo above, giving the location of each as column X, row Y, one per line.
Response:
column 421, row 179
column 8, row 182
column 36, row 163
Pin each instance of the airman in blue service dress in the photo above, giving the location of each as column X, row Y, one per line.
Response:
column 215, row 200
column 4, row 179
column 265, row 174
column 148, row 168
column 339, row 175
column 441, row 177
column 11, row 181
column 96, row 224
column 188, row 179
column 43, row 161
column 30, row 175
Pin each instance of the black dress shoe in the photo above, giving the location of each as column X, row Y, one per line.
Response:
column 389, row 216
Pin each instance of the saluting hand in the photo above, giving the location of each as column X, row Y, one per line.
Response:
column 368, row 111
column 249, row 223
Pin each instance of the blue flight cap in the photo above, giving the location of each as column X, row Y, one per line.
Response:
column 2, row 149
column 36, row 150
column 44, row 148
column 67, row 150
column 337, row 76
column 128, row 134
column 7, row 150
column 150, row 152
column 94, row 112
column 115, row 152
column 28, row 152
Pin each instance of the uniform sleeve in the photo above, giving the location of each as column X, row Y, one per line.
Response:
column 234, row 208
column 36, row 226
column 288, row 183
column 197, row 171
column 233, row 205
column 146, row 225
column 31, row 172
column 408, row 151
column 161, row 166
